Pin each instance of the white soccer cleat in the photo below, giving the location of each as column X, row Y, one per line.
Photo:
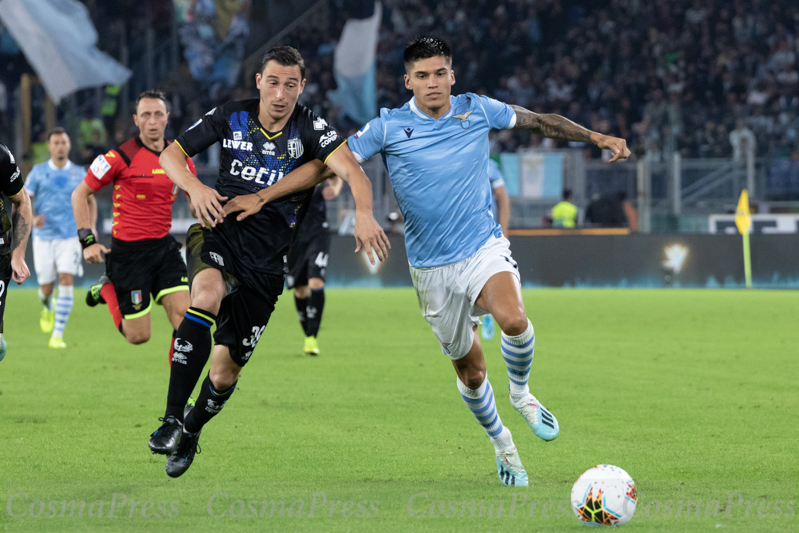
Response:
column 543, row 423
column 509, row 467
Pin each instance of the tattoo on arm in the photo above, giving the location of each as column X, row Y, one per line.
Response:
column 21, row 228
column 552, row 126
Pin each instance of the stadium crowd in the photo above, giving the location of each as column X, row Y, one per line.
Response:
column 689, row 75
column 665, row 75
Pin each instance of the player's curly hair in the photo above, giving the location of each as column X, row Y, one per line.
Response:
column 424, row 47
column 286, row 56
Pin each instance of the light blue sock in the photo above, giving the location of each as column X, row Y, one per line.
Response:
column 63, row 308
column 518, row 354
column 481, row 403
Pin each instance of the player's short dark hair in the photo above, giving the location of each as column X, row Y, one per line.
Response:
column 424, row 47
column 286, row 56
column 567, row 193
column 154, row 94
column 57, row 131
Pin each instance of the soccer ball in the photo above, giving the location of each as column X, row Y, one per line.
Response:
column 604, row 495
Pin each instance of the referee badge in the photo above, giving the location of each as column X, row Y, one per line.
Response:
column 135, row 297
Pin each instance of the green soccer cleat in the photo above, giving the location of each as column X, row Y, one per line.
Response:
column 94, row 296
column 311, row 346
column 47, row 320
column 56, row 342
column 509, row 467
column 3, row 347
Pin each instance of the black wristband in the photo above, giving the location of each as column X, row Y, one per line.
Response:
column 86, row 237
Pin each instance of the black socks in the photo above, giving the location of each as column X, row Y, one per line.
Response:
column 190, row 353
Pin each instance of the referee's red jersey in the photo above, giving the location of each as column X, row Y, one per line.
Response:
column 143, row 194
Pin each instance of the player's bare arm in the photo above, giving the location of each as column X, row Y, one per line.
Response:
column 86, row 218
column 306, row 176
column 561, row 128
column 333, row 188
column 368, row 233
column 93, row 213
column 21, row 217
column 206, row 202
column 503, row 208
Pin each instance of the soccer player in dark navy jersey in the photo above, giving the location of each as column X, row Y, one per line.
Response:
column 235, row 262
column 12, row 247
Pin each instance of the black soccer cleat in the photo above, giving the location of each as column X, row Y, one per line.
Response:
column 164, row 440
column 183, row 456
column 94, row 296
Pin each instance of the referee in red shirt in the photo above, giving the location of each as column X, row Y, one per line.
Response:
column 144, row 264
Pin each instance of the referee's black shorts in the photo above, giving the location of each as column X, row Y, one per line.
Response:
column 139, row 269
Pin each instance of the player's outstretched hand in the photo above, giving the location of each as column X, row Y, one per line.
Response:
column 94, row 253
column 19, row 269
column 370, row 236
column 618, row 147
column 206, row 203
column 248, row 204
column 38, row 221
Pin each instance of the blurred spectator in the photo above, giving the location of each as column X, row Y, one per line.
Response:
column 39, row 149
column 564, row 214
column 88, row 127
column 742, row 140
column 93, row 149
column 608, row 211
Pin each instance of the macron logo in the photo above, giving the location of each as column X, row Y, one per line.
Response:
column 408, row 132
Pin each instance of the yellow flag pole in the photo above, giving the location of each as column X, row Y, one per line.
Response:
column 743, row 219
column 747, row 261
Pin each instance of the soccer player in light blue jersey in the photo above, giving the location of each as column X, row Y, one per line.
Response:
column 436, row 151
column 501, row 205
column 56, row 248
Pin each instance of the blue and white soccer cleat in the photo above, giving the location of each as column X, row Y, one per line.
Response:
column 543, row 423
column 488, row 327
column 509, row 467
column 3, row 347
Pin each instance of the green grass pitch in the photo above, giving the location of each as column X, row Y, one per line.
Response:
column 694, row 393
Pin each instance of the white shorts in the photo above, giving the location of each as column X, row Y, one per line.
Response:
column 447, row 294
column 58, row 256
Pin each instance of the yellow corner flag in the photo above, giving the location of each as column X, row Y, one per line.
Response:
column 743, row 219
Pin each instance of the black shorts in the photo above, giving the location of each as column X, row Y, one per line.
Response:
column 308, row 260
column 141, row 268
column 5, row 279
column 245, row 311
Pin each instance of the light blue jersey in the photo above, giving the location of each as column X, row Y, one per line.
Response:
column 51, row 188
column 439, row 171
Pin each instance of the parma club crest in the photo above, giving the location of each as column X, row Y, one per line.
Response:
column 295, row 148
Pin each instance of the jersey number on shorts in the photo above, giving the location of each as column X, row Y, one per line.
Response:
column 255, row 337
column 321, row 260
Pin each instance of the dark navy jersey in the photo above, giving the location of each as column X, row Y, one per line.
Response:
column 315, row 221
column 10, row 184
column 253, row 159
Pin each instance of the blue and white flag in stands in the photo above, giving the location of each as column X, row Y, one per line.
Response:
column 59, row 41
column 354, row 63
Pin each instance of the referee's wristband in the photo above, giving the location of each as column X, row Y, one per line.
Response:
column 86, row 237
